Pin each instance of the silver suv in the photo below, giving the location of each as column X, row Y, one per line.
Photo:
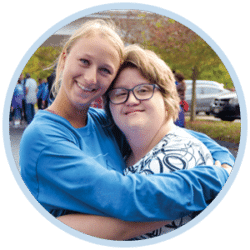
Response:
column 205, row 94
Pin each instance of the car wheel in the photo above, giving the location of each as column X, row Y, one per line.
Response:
column 207, row 113
column 229, row 119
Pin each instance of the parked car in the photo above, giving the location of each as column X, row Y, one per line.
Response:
column 204, row 82
column 226, row 107
column 205, row 94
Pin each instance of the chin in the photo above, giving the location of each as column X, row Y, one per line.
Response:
column 132, row 126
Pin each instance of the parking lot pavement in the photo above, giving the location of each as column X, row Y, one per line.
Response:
column 15, row 138
column 232, row 147
column 16, row 134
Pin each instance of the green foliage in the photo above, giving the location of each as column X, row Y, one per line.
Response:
column 220, row 130
column 41, row 63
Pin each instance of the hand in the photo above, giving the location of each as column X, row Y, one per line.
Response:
column 225, row 166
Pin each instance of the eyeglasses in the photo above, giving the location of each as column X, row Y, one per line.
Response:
column 142, row 92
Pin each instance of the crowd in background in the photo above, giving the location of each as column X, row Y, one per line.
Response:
column 27, row 94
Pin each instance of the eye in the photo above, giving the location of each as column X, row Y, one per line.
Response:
column 105, row 71
column 143, row 89
column 85, row 62
column 120, row 92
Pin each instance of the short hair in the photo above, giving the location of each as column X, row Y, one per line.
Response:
column 179, row 77
column 106, row 29
column 154, row 69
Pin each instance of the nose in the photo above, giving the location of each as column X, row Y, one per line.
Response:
column 90, row 75
column 132, row 99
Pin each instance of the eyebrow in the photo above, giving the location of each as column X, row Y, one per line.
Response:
column 110, row 66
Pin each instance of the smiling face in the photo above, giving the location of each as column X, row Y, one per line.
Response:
column 88, row 70
column 135, row 114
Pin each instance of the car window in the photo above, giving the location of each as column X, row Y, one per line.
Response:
column 199, row 90
column 211, row 91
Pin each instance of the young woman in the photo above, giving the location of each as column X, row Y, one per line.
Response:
column 70, row 158
column 144, row 104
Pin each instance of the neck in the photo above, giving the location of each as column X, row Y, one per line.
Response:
column 142, row 141
column 76, row 116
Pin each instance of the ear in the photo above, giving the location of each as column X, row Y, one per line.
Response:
column 63, row 59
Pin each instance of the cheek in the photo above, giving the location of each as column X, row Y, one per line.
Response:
column 160, row 108
column 115, row 113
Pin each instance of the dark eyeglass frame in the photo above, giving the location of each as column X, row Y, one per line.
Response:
column 132, row 90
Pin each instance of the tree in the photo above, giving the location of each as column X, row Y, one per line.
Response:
column 39, row 65
column 182, row 49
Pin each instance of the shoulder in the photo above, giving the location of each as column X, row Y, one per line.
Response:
column 98, row 115
column 47, row 128
column 184, row 137
column 30, row 81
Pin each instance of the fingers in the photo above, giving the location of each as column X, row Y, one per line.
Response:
column 228, row 168
column 217, row 163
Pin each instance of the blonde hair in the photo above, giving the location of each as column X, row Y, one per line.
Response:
column 154, row 69
column 106, row 29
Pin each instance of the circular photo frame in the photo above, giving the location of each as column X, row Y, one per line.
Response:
column 61, row 31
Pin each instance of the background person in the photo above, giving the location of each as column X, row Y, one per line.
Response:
column 45, row 94
column 16, row 104
column 66, row 175
column 40, row 91
column 181, row 89
column 31, row 99
column 23, row 82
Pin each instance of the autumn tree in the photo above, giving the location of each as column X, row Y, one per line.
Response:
column 181, row 48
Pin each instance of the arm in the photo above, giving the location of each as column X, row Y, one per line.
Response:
column 112, row 228
column 107, row 227
column 218, row 152
column 76, row 182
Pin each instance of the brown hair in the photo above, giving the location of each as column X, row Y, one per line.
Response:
column 153, row 68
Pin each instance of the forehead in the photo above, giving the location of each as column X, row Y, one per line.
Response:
column 130, row 77
column 96, row 47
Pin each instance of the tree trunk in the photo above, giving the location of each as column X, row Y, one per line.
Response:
column 193, row 103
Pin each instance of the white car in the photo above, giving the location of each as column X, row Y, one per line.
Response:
column 205, row 94
column 204, row 82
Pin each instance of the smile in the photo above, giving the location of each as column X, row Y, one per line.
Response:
column 85, row 89
column 132, row 111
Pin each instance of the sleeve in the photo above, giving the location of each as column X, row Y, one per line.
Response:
column 45, row 93
column 39, row 92
column 218, row 152
column 76, row 182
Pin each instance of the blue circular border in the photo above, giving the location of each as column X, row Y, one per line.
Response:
column 121, row 6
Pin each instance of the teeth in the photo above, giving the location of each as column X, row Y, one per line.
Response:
column 85, row 89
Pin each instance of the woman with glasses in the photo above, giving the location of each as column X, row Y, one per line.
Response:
column 144, row 103
column 72, row 161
